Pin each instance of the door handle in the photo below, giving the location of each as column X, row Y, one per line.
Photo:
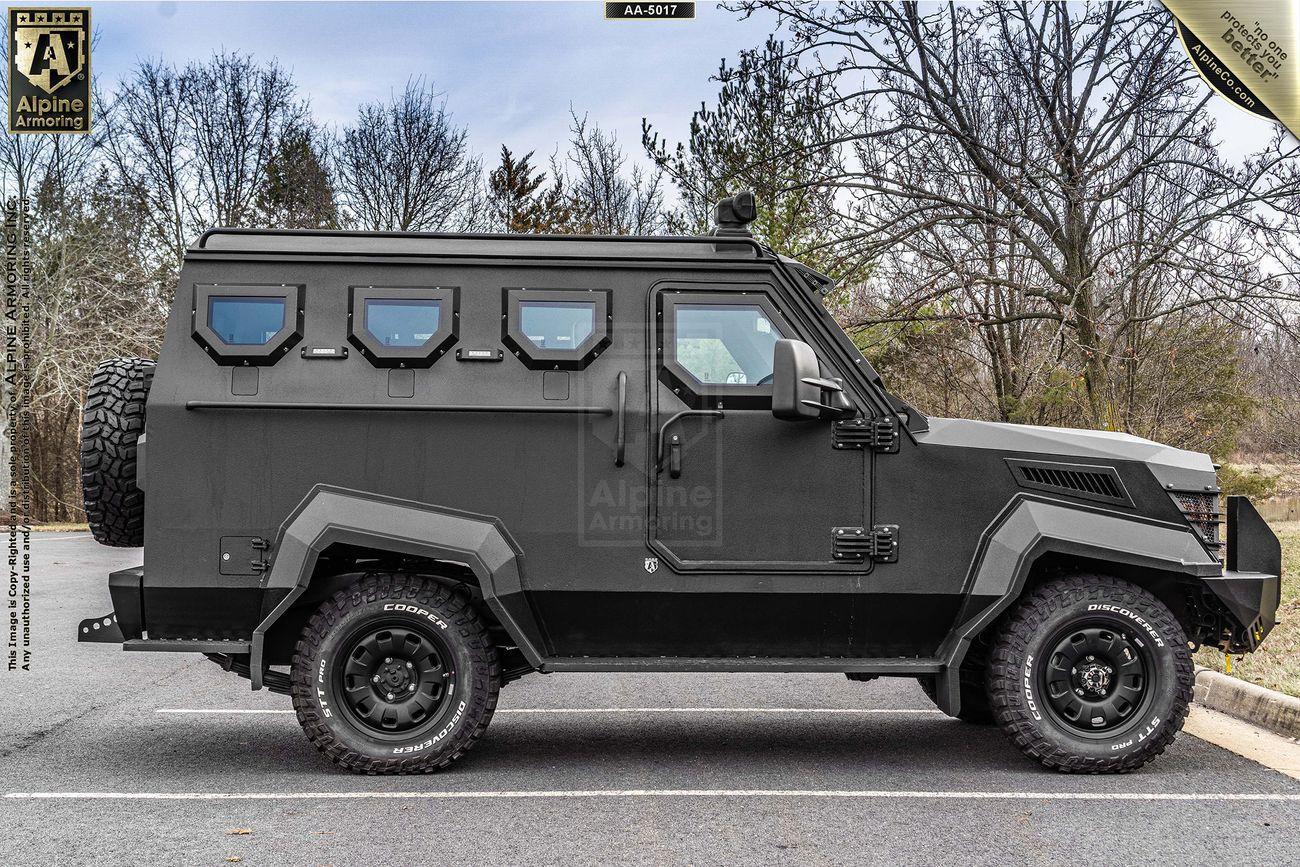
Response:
column 620, row 445
column 675, row 456
column 676, row 471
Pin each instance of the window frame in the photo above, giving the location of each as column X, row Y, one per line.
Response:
column 576, row 358
column 685, row 385
column 424, row 355
column 243, row 354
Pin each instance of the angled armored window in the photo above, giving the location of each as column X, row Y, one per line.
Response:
column 403, row 326
column 716, row 348
column 247, row 324
column 556, row 329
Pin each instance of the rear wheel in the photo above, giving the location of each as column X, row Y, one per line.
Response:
column 1091, row 674
column 395, row 675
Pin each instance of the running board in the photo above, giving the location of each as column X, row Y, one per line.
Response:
column 188, row 645
column 894, row 666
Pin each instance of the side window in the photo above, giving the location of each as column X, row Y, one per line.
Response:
column 245, row 321
column 549, row 329
column 408, row 326
column 247, row 325
column 716, row 348
column 557, row 324
column 725, row 344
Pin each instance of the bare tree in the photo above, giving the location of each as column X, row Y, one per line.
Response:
column 404, row 166
column 235, row 112
column 606, row 197
column 1044, row 173
column 93, row 297
column 193, row 145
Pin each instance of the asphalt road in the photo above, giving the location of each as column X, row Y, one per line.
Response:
column 731, row 769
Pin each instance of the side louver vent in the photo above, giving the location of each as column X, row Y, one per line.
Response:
column 1076, row 480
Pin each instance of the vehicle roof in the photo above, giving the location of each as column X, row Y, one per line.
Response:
column 325, row 242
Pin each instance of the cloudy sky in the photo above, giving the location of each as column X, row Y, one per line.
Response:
column 510, row 70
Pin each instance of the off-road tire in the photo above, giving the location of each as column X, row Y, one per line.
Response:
column 112, row 420
column 476, row 680
column 975, row 707
column 1020, row 702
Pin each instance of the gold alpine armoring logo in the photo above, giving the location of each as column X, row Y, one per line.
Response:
column 49, row 70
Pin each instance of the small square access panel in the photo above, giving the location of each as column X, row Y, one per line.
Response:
column 401, row 383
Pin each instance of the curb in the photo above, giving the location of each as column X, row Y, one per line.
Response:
column 1266, row 708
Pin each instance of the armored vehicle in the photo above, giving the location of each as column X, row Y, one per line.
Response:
column 387, row 473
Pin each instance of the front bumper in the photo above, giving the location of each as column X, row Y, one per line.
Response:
column 1250, row 589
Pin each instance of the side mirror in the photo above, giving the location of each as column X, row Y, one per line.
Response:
column 795, row 370
column 799, row 391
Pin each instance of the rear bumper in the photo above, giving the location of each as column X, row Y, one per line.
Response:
column 1250, row 589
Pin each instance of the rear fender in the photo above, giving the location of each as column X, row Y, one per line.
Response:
column 329, row 515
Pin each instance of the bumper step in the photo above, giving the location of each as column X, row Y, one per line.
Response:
column 189, row 645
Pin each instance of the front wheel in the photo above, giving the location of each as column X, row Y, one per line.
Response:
column 395, row 675
column 1091, row 674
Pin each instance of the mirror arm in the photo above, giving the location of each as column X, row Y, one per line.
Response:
column 827, row 411
column 823, row 384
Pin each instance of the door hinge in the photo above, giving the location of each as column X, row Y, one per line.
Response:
column 877, row 434
column 261, row 548
column 856, row 544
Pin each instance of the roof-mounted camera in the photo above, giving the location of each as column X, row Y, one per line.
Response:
column 732, row 215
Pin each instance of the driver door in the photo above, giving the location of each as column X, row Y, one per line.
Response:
column 734, row 489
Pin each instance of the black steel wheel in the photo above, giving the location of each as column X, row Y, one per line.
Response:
column 396, row 679
column 1091, row 674
column 395, row 675
column 1095, row 675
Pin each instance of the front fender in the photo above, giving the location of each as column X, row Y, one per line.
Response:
column 329, row 515
column 1031, row 526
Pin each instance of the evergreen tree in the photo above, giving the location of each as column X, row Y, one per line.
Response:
column 297, row 192
column 518, row 201
column 767, row 133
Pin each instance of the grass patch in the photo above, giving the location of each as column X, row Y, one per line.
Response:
column 60, row 528
column 1276, row 664
column 1256, row 483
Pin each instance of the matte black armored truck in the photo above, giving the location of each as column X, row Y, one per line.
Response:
column 387, row 473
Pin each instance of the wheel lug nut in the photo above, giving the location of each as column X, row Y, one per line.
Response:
column 390, row 659
column 410, row 665
column 391, row 696
column 411, row 688
column 375, row 678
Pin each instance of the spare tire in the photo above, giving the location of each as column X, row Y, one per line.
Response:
column 112, row 422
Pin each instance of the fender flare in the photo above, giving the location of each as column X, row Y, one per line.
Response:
column 1031, row 526
column 330, row 515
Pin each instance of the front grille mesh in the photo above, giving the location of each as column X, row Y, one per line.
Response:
column 1202, row 511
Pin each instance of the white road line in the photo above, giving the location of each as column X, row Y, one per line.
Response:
column 883, row 794
column 607, row 710
column 216, row 710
